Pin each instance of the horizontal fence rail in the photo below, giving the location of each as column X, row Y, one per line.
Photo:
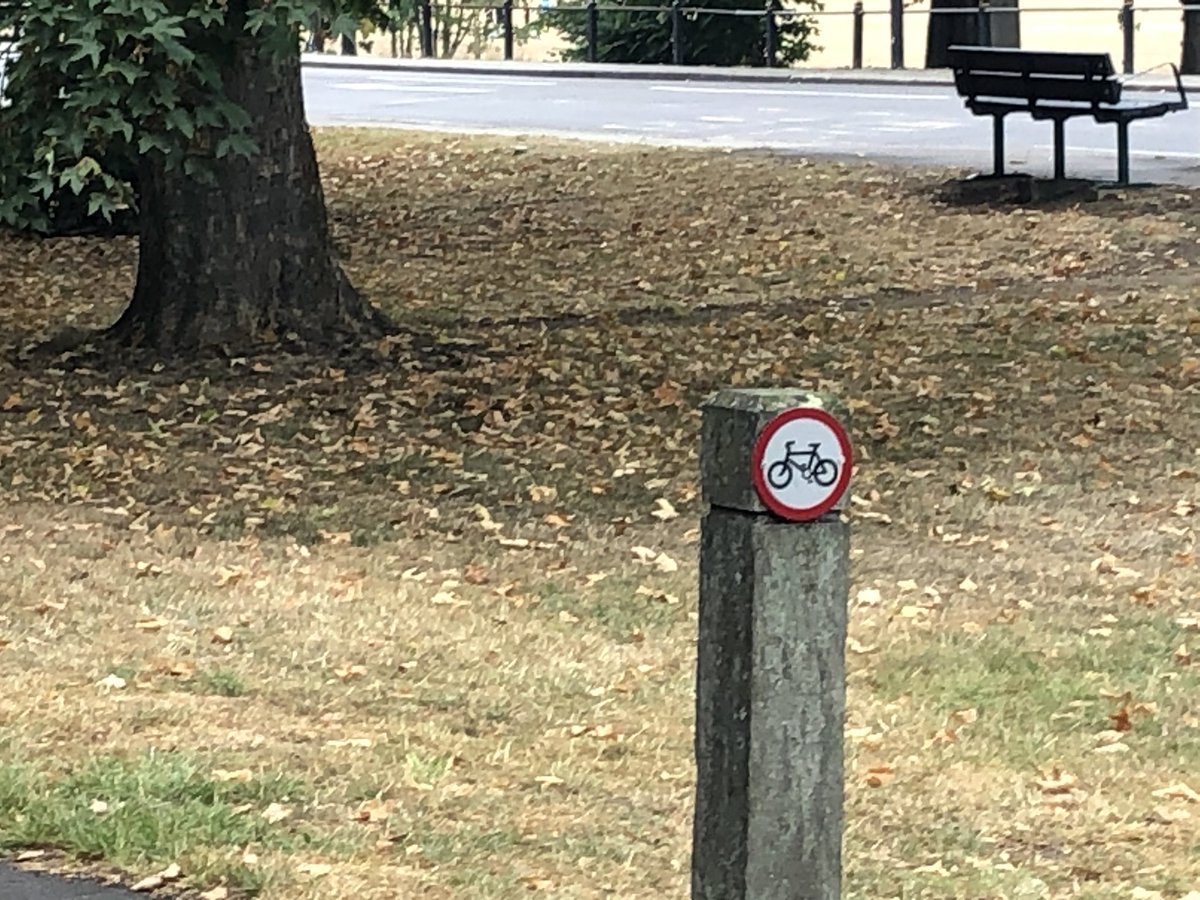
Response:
column 988, row 18
column 990, row 23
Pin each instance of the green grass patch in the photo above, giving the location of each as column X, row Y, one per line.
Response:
column 614, row 605
column 221, row 683
column 1038, row 685
column 151, row 810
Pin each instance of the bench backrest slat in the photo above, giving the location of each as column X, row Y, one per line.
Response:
column 1034, row 87
column 1034, row 75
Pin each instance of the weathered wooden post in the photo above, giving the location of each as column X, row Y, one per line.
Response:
column 775, row 469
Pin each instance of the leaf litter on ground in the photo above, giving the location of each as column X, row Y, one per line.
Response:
column 406, row 576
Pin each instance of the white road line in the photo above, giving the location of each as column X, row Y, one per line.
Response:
column 407, row 88
column 724, row 120
column 415, row 78
column 646, row 129
column 906, row 127
column 784, row 92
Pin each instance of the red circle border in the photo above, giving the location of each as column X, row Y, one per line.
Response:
column 794, row 513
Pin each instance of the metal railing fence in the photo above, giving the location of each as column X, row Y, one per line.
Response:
column 678, row 16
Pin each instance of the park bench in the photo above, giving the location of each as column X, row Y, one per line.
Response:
column 1056, row 86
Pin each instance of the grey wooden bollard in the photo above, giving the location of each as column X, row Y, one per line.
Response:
column 770, row 689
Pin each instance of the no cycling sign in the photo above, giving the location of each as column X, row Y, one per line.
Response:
column 802, row 464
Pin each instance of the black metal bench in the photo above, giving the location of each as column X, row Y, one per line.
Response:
column 1055, row 86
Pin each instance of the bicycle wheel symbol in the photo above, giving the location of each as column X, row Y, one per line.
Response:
column 808, row 464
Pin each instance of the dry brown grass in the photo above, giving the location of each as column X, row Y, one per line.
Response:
column 378, row 587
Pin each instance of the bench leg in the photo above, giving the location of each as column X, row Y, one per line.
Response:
column 1060, row 150
column 1122, row 153
column 997, row 145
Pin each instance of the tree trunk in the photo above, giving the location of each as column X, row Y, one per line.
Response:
column 246, row 257
column 949, row 28
column 1190, row 64
column 316, row 37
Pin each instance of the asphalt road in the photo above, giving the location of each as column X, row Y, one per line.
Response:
column 904, row 123
column 18, row 885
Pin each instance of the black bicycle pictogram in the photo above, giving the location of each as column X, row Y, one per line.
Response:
column 808, row 464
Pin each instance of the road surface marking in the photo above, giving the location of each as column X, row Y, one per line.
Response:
column 408, row 88
column 904, row 127
column 724, row 120
column 421, row 78
column 777, row 92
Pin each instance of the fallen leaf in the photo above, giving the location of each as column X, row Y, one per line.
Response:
column 149, row 883
column 350, row 672
column 1120, row 720
column 276, row 812
column 869, row 597
column 878, row 776
column 1179, row 791
column 540, row 493
column 314, row 870
column 1056, row 783
column 222, row 635
column 476, row 574
column 664, row 510
column 154, row 882
column 372, row 811
column 225, row 775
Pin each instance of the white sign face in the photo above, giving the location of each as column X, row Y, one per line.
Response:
column 802, row 463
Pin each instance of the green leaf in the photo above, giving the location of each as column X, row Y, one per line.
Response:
column 239, row 144
column 87, row 47
column 179, row 119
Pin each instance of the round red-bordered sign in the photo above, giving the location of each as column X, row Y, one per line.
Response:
column 802, row 463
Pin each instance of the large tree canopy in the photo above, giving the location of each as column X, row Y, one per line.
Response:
column 198, row 103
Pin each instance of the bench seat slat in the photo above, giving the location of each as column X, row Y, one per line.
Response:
column 1118, row 112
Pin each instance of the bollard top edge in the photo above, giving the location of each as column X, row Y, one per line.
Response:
column 770, row 400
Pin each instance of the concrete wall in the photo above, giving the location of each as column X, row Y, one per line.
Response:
column 1086, row 25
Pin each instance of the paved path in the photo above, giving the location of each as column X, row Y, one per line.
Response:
column 19, row 885
column 906, row 117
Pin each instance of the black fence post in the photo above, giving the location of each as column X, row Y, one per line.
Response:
column 1127, row 36
column 506, row 12
column 856, row 46
column 897, row 34
column 677, row 54
column 983, row 26
column 425, row 26
column 771, row 34
column 593, row 31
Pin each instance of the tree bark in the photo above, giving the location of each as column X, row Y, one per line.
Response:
column 245, row 257
column 1190, row 64
column 949, row 28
